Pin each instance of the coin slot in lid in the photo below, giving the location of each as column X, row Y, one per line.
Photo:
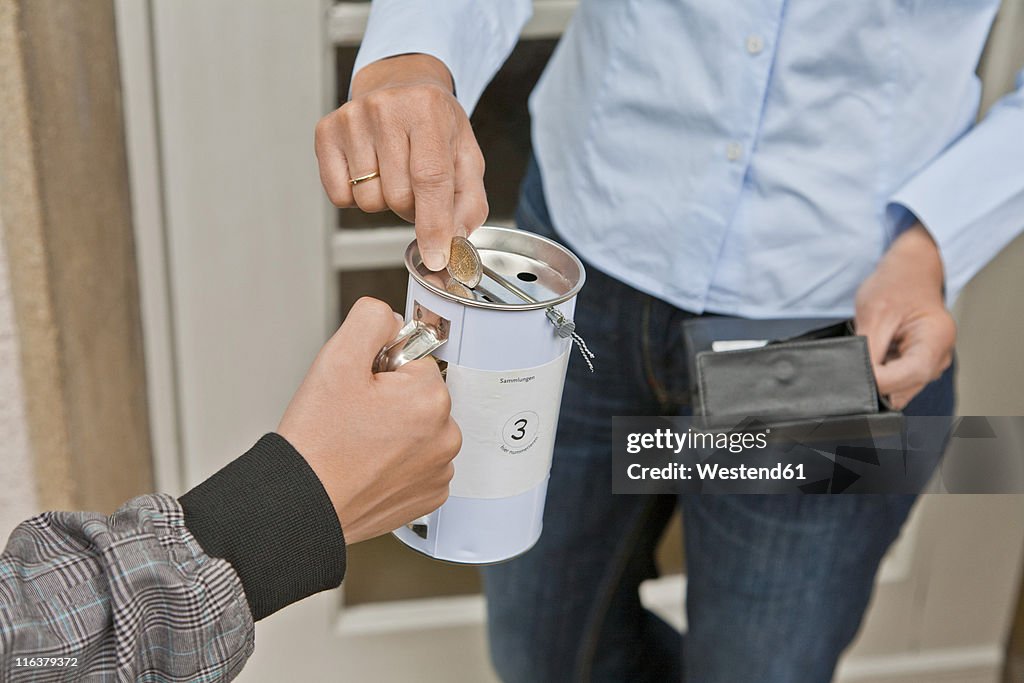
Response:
column 557, row 273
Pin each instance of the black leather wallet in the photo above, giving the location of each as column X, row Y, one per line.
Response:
column 800, row 375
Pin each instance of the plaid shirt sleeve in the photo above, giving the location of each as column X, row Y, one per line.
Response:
column 167, row 590
column 123, row 597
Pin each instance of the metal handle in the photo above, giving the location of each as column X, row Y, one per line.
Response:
column 417, row 339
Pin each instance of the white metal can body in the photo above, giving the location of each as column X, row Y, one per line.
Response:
column 505, row 372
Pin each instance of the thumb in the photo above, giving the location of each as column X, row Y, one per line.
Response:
column 879, row 332
column 908, row 373
column 369, row 326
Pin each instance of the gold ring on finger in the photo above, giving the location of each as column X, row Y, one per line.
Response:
column 364, row 178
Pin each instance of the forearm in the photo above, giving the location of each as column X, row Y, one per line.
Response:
column 471, row 38
column 415, row 69
column 915, row 253
column 166, row 587
column 268, row 514
column 971, row 196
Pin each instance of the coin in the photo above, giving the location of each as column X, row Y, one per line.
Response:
column 464, row 262
column 455, row 287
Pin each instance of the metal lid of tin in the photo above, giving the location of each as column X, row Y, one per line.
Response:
column 544, row 269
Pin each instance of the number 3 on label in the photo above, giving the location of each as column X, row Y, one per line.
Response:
column 520, row 430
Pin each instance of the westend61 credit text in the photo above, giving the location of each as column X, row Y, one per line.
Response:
column 714, row 471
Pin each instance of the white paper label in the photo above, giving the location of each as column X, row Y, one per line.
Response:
column 508, row 421
column 738, row 344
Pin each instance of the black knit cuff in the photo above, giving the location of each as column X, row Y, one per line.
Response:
column 269, row 516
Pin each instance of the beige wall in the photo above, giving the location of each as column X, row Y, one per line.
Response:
column 70, row 261
column 17, row 494
column 990, row 312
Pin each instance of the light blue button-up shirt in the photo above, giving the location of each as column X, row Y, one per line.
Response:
column 750, row 158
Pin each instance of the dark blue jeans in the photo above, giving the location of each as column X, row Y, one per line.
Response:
column 776, row 585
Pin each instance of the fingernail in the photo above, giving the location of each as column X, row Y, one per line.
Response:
column 435, row 259
column 461, row 231
column 399, row 318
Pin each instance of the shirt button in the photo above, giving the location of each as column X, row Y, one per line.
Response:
column 755, row 44
column 733, row 151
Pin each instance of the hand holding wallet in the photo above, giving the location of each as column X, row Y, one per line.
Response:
column 810, row 375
